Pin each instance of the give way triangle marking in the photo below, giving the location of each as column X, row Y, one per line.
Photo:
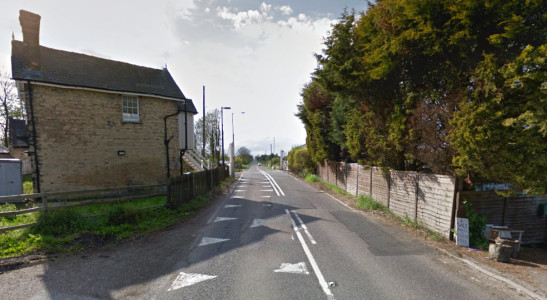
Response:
column 188, row 279
column 232, row 206
column 208, row 241
column 258, row 222
column 220, row 219
column 298, row 268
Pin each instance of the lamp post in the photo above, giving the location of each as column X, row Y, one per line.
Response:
column 232, row 158
column 273, row 152
column 222, row 125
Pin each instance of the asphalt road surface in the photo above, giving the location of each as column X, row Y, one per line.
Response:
column 271, row 237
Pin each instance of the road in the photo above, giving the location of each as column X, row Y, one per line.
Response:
column 271, row 237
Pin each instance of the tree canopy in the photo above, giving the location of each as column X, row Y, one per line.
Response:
column 445, row 86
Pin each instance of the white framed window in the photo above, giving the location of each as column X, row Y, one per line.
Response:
column 130, row 108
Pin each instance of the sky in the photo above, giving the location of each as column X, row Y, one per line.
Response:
column 252, row 56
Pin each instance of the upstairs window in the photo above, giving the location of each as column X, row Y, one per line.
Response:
column 130, row 109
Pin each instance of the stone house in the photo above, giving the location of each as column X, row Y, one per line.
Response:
column 95, row 123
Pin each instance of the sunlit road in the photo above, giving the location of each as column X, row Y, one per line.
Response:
column 277, row 238
column 271, row 237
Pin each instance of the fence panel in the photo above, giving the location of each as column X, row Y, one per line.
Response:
column 522, row 214
column 436, row 201
column 352, row 178
column 402, row 194
column 364, row 181
column 380, row 186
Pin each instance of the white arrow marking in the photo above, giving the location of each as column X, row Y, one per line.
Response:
column 220, row 219
column 299, row 268
column 232, row 205
column 188, row 279
column 208, row 241
column 258, row 222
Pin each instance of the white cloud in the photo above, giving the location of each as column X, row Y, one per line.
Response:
column 285, row 10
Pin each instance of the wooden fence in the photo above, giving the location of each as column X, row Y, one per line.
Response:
column 182, row 189
column 46, row 202
column 516, row 212
column 425, row 198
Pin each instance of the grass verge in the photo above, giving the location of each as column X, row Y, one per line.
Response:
column 77, row 228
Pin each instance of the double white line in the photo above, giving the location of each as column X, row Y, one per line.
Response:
column 274, row 184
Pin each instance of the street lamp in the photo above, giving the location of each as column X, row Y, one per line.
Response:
column 273, row 152
column 232, row 158
column 222, row 125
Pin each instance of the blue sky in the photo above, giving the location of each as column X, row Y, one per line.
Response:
column 252, row 56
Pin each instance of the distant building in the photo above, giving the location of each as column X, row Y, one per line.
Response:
column 95, row 123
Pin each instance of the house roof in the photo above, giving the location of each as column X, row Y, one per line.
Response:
column 41, row 64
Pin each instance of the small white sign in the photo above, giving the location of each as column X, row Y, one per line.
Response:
column 462, row 232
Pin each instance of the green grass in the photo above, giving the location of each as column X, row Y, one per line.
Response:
column 62, row 230
column 28, row 186
column 366, row 202
column 313, row 178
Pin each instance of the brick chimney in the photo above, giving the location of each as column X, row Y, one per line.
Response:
column 30, row 23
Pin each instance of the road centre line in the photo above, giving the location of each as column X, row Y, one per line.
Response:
column 312, row 261
column 312, row 240
column 276, row 191
column 273, row 183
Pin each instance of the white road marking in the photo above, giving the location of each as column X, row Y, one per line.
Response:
column 266, row 186
column 237, row 197
column 258, row 222
column 266, row 190
column 312, row 261
column 274, row 184
column 298, row 268
column 269, row 204
column 265, row 196
column 240, row 191
column 208, row 241
column 312, row 240
column 188, row 279
column 221, row 219
column 232, row 205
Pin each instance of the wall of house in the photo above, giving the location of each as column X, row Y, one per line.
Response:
column 79, row 134
column 19, row 153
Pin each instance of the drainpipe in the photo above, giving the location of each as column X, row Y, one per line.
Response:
column 183, row 151
column 37, row 168
column 167, row 140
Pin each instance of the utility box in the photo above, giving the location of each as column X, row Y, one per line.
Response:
column 11, row 177
column 186, row 131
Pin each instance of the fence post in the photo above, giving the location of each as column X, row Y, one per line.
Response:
column 388, row 188
column 417, row 178
column 193, row 186
column 458, row 186
column 357, row 182
column 370, row 190
column 346, row 163
column 44, row 202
